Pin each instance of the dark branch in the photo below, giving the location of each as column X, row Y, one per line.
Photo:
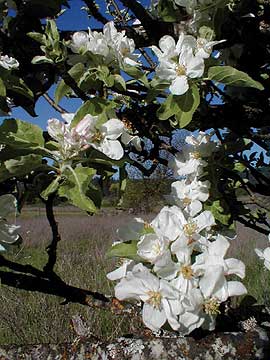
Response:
column 52, row 248
column 93, row 9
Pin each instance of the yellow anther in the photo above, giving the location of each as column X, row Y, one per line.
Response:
column 154, row 299
column 211, row 306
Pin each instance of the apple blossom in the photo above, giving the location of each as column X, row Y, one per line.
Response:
column 159, row 298
column 190, row 195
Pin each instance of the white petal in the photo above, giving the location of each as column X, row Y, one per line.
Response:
column 179, row 86
column 112, row 129
column 212, row 281
column 236, row 267
column 236, row 288
column 112, row 148
column 153, row 318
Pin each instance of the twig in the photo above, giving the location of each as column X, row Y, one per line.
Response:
column 53, row 104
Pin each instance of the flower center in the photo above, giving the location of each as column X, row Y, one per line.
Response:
column 195, row 155
column 186, row 271
column 157, row 248
column 186, row 201
column 125, row 51
column 154, row 299
column 180, row 70
column 190, row 229
column 211, row 306
column 97, row 137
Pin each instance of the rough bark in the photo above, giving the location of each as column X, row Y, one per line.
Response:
column 251, row 345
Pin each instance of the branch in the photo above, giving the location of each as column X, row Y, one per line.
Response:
column 52, row 248
column 155, row 29
column 53, row 104
column 93, row 9
column 68, row 79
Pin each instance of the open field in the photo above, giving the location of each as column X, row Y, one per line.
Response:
column 37, row 318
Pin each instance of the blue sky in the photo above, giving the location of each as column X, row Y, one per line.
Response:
column 73, row 19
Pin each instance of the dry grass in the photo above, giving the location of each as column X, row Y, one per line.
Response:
column 36, row 318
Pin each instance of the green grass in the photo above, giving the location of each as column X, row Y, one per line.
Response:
column 31, row 317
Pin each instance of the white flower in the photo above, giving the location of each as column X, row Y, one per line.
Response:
column 186, row 66
column 152, row 247
column 123, row 46
column 213, row 255
column 79, row 42
column 189, row 195
column 161, row 301
column 264, row 255
column 8, row 232
column 121, row 271
column 8, row 62
column 191, row 159
column 190, row 229
column 205, row 301
column 86, row 134
column 105, row 139
column 204, row 47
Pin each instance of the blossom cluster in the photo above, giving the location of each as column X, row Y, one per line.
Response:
column 175, row 265
column 88, row 133
column 8, row 232
column 179, row 62
column 112, row 45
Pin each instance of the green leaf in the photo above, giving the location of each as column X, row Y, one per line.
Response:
column 62, row 88
column 183, row 106
column 219, row 213
column 167, row 10
column 188, row 104
column 19, row 166
column 52, row 31
column 119, row 82
column 52, row 188
column 126, row 250
column 239, row 167
column 75, row 187
column 41, row 38
column 229, row 76
column 2, row 88
column 18, row 86
column 168, row 108
column 94, row 107
column 21, row 134
column 41, row 59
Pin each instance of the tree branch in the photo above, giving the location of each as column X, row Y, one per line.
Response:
column 53, row 104
column 94, row 11
column 52, row 248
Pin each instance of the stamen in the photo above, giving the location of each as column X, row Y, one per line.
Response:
column 186, row 201
column 211, row 306
column 180, row 70
column 97, row 137
column 187, row 272
column 154, row 299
